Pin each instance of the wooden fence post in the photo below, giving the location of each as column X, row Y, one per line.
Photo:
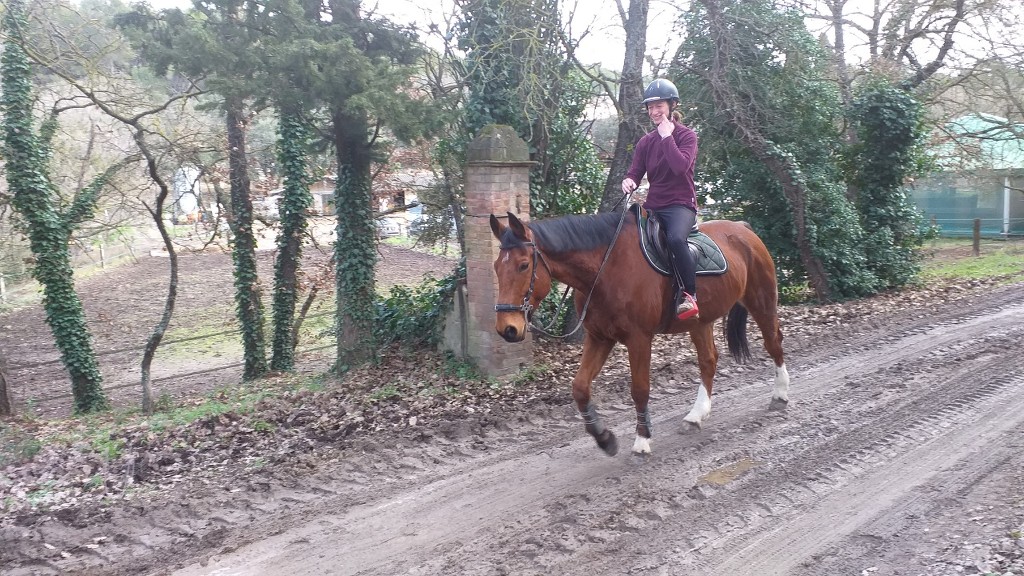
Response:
column 976, row 249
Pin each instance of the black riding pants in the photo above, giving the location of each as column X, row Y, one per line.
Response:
column 677, row 221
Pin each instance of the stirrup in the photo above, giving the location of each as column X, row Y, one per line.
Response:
column 687, row 307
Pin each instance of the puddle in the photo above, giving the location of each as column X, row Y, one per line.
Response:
column 726, row 474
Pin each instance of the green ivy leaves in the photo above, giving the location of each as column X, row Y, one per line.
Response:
column 293, row 137
column 25, row 155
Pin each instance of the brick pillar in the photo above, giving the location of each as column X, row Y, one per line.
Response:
column 497, row 181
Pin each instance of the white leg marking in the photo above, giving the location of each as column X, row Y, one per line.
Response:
column 781, row 383
column 642, row 445
column 701, row 407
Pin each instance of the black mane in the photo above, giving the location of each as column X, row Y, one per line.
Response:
column 580, row 232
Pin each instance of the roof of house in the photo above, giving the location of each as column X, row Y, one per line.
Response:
column 980, row 142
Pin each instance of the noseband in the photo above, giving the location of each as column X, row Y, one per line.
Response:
column 526, row 308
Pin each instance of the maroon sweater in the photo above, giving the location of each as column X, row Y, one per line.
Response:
column 668, row 163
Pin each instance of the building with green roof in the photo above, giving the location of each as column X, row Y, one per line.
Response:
column 980, row 175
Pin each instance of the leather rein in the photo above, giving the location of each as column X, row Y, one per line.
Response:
column 527, row 309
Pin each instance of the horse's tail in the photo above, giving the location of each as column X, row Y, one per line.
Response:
column 736, row 333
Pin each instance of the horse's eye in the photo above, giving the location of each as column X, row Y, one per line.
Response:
column 524, row 267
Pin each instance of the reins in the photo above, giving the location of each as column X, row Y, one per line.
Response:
column 586, row 303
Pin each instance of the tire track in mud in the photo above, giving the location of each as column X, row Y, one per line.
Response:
column 880, row 435
column 872, row 407
column 904, row 539
column 884, row 417
column 826, row 498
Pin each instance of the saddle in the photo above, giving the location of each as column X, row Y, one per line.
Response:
column 706, row 254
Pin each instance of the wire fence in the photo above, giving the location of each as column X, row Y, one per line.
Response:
column 14, row 369
column 14, row 271
column 990, row 227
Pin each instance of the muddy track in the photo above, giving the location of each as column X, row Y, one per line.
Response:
column 894, row 424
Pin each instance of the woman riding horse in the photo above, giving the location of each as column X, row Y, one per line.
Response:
column 629, row 302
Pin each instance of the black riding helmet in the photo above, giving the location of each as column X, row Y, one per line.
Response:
column 661, row 89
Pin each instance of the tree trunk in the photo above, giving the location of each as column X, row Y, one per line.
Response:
column 293, row 204
column 355, row 252
column 843, row 76
column 630, row 108
column 157, row 212
column 25, row 157
column 247, row 292
column 750, row 134
column 303, row 312
column 6, row 403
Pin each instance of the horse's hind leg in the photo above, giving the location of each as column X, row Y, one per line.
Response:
column 595, row 353
column 768, row 322
column 703, row 338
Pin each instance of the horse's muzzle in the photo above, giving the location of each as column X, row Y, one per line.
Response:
column 511, row 334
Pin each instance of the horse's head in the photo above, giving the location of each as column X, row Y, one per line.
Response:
column 523, row 277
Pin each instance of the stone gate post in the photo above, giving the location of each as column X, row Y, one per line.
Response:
column 497, row 181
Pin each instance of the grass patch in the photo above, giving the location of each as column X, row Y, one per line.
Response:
column 460, row 368
column 951, row 259
column 318, row 326
column 184, row 415
column 531, row 374
column 16, row 445
column 108, row 447
column 241, row 399
column 385, row 392
column 211, row 332
column 103, row 434
column 37, row 497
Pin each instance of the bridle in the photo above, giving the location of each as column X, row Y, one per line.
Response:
column 526, row 308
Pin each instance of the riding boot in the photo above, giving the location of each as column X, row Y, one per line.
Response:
column 686, row 306
column 684, row 302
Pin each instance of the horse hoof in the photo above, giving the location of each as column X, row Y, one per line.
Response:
column 778, row 404
column 642, row 446
column 691, row 427
column 608, row 443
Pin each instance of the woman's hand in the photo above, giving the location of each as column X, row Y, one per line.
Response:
column 666, row 127
column 628, row 185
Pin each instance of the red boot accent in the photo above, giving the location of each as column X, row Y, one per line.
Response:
column 687, row 308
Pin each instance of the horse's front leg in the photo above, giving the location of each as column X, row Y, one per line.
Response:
column 640, row 388
column 595, row 353
column 703, row 337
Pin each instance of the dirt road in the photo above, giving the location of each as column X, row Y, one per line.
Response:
column 902, row 452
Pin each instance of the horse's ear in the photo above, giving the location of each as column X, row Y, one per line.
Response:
column 496, row 227
column 518, row 228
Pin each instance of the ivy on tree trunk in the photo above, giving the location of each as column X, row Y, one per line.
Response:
column 355, row 252
column 248, row 304
column 25, row 156
column 293, row 136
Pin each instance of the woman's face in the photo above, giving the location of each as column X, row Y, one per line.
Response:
column 658, row 110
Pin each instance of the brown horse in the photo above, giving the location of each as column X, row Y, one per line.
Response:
column 629, row 302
